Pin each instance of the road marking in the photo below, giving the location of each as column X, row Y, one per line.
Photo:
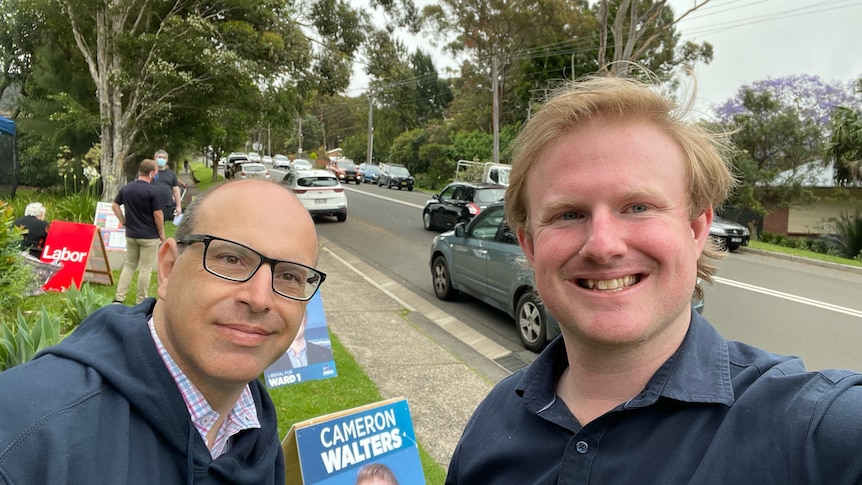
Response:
column 384, row 198
column 788, row 296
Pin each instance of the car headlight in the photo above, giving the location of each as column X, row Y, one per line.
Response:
column 718, row 231
column 745, row 232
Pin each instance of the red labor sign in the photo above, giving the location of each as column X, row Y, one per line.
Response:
column 74, row 245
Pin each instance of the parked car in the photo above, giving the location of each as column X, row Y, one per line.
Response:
column 459, row 202
column 266, row 160
column 253, row 170
column 301, row 164
column 344, row 169
column 234, row 162
column 483, row 259
column 728, row 234
column 392, row 175
column 320, row 192
column 254, row 157
column 369, row 172
column 280, row 160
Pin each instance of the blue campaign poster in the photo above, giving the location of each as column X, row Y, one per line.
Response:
column 337, row 448
column 309, row 357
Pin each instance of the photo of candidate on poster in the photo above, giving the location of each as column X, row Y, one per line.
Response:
column 309, row 357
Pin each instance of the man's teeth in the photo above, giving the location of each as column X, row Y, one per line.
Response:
column 610, row 285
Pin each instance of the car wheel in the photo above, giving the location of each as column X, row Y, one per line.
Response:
column 732, row 247
column 358, row 181
column 409, row 189
column 441, row 281
column 530, row 317
column 341, row 217
column 428, row 221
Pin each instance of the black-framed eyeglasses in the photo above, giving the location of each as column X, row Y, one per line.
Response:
column 237, row 262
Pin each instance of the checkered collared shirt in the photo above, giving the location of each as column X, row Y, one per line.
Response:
column 242, row 416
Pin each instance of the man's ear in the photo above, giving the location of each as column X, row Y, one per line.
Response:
column 168, row 254
column 526, row 243
column 700, row 228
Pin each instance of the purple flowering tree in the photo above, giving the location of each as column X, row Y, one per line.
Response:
column 779, row 127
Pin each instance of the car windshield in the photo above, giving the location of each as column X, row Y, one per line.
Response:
column 317, row 182
column 400, row 172
column 346, row 165
column 489, row 195
column 254, row 168
column 370, row 169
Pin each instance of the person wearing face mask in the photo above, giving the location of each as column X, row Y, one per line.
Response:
column 144, row 221
column 169, row 186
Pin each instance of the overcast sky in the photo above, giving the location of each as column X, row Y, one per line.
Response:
column 753, row 40
column 760, row 39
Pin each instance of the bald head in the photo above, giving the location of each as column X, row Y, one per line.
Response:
column 263, row 204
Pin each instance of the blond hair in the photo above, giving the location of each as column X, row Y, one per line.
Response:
column 620, row 99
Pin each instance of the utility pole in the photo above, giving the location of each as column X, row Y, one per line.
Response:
column 299, row 137
column 370, row 150
column 496, row 115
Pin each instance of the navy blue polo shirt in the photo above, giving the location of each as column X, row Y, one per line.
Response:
column 716, row 412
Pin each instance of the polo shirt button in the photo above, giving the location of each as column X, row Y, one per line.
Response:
column 582, row 447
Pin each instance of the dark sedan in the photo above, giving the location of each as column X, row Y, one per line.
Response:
column 395, row 176
column 459, row 202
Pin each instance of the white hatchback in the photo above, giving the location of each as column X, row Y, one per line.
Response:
column 280, row 160
column 253, row 171
column 320, row 192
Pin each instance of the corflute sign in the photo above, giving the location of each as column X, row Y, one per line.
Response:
column 69, row 243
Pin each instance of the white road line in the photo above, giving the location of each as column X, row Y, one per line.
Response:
column 384, row 197
column 788, row 296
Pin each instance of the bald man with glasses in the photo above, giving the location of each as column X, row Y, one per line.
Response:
column 167, row 391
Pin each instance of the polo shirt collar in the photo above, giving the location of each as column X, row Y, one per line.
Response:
column 698, row 372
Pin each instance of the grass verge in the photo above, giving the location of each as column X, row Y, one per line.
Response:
column 774, row 248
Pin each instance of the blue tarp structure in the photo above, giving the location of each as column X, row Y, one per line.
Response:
column 8, row 157
column 7, row 126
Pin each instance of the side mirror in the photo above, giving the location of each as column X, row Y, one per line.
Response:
column 459, row 229
column 436, row 196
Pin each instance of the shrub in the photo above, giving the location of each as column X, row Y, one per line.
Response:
column 847, row 239
column 78, row 207
column 20, row 339
column 79, row 304
column 15, row 276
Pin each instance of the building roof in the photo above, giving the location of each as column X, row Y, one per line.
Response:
column 814, row 174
